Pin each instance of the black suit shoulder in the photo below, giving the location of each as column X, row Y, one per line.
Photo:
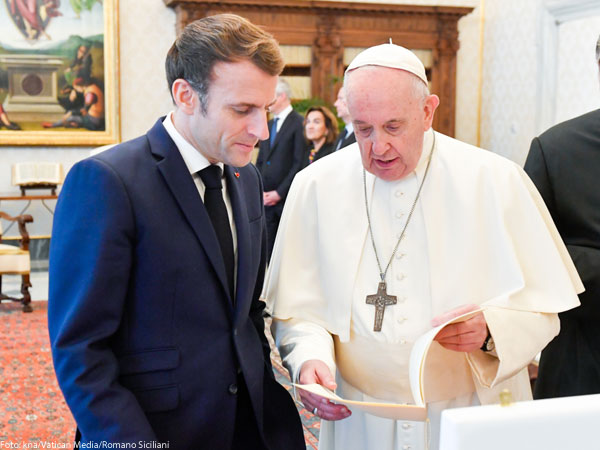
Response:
column 295, row 118
column 581, row 133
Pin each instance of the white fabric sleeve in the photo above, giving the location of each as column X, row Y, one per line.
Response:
column 518, row 337
column 299, row 341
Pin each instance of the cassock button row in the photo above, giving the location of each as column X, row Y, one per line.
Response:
column 406, row 447
column 400, row 277
column 401, row 298
column 402, row 319
column 400, row 255
column 406, row 426
column 399, row 214
column 398, row 193
column 403, row 341
column 232, row 388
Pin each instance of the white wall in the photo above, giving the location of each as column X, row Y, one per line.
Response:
column 578, row 84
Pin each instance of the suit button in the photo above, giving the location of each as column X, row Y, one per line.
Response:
column 232, row 388
column 235, row 331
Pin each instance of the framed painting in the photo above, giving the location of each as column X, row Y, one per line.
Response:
column 59, row 66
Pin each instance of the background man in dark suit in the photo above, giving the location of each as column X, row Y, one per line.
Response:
column 564, row 164
column 346, row 136
column 280, row 157
column 157, row 263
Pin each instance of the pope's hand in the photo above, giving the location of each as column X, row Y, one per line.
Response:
column 316, row 371
column 466, row 336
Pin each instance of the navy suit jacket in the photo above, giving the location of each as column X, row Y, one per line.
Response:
column 279, row 164
column 345, row 140
column 146, row 341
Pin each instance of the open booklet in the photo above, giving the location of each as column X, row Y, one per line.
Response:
column 435, row 374
column 32, row 173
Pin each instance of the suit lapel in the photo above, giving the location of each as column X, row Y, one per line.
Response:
column 282, row 132
column 171, row 166
column 240, row 217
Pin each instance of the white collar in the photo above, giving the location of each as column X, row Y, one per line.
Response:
column 283, row 114
column 194, row 160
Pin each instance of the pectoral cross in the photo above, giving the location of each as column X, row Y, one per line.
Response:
column 380, row 300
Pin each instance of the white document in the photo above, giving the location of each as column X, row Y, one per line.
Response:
column 452, row 378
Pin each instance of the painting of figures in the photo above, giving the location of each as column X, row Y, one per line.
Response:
column 58, row 72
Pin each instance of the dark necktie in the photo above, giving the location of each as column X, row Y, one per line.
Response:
column 217, row 211
column 273, row 132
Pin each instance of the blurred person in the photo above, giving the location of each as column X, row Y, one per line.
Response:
column 320, row 130
column 280, row 157
column 346, row 136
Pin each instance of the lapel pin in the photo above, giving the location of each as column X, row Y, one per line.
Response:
column 237, row 174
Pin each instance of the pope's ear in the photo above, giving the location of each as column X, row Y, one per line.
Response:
column 430, row 105
column 184, row 95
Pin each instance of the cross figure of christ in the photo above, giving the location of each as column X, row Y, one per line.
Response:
column 380, row 300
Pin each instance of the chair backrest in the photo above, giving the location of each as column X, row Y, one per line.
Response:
column 21, row 220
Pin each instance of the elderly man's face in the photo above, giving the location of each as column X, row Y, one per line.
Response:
column 389, row 120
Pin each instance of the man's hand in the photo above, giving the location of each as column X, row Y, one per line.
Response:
column 271, row 198
column 316, row 371
column 466, row 336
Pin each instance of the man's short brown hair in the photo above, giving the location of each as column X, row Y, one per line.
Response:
column 219, row 38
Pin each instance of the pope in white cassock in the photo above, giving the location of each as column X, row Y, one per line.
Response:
column 446, row 227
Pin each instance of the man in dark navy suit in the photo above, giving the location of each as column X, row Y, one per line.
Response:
column 280, row 157
column 157, row 262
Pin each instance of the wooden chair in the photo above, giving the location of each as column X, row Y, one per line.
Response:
column 16, row 261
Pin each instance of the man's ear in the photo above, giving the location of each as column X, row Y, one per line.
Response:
column 430, row 105
column 185, row 96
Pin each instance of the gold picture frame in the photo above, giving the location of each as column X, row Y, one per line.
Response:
column 59, row 73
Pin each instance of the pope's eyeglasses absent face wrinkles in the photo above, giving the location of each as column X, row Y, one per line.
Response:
column 390, row 113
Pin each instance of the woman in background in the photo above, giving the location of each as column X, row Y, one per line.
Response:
column 320, row 130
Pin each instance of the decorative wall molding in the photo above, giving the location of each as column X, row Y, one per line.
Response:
column 566, row 10
column 553, row 14
column 329, row 27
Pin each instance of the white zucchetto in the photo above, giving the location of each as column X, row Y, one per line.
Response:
column 392, row 56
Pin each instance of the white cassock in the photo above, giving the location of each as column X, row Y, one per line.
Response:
column 480, row 233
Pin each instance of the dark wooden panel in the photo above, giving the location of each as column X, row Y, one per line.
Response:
column 328, row 27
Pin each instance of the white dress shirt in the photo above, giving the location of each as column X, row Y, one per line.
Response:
column 195, row 162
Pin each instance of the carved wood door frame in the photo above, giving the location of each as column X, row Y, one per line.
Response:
column 330, row 26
